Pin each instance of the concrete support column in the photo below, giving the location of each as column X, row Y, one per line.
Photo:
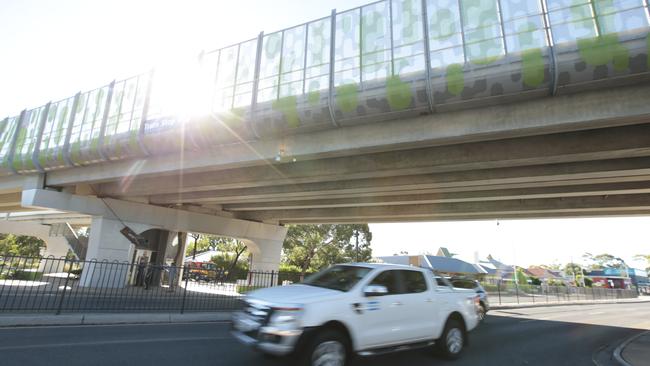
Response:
column 266, row 261
column 109, row 253
column 266, row 255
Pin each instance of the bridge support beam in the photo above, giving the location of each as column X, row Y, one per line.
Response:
column 111, row 215
column 55, row 246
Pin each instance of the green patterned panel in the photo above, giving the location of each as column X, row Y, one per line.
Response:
column 26, row 140
column 347, row 67
column 408, row 37
column 375, row 41
column 317, row 62
column 268, row 86
column 7, row 130
column 288, row 107
column 483, row 37
column 293, row 59
column 399, row 93
column 445, row 37
column 347, row 97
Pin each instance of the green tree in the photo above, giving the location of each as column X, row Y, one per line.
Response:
column 313, row 247
column 522, row 278
column 604, row 260
column 642, row 257
column 552, row 267
column 22, row 245
column 233, row 254
column 574, row 270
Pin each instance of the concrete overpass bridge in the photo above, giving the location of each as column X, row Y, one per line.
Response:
column 400, row 110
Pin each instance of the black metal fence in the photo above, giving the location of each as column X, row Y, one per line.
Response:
column 503, row 293
column 61, row 285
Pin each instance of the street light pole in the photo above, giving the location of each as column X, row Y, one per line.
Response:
column 356, row 237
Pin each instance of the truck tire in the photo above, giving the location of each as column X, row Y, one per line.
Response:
column 327, row 348
column 451, row 342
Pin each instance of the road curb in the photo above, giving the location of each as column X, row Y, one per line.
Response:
column 619, row 350
column 25, row 320
column 551, row 304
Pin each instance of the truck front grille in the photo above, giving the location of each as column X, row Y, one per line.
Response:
column 258, row 312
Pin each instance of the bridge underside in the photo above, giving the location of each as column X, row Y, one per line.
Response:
column 570, row 156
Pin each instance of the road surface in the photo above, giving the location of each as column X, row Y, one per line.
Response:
column 564, row 335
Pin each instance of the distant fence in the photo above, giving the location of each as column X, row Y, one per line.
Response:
column 508, row 293
column 60, row 285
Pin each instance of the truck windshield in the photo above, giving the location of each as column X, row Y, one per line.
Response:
column 341, row 278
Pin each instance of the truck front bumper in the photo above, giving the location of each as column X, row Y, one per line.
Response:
column 268, row 339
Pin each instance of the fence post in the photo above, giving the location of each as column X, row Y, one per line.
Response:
column 533, row 295
column 65, row 287
column 187, row 278
column 499, row 290
column 517, row 291
column 546, row 291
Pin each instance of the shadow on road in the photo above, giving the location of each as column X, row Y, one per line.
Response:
column 504, row 340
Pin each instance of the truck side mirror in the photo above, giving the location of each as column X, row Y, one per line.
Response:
column 375, row 290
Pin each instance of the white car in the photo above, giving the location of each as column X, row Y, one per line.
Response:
column 362, row 309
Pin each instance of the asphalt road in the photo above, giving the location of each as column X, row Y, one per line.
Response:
column 567, row 335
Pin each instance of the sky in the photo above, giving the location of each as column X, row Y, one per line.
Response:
column 520, row 242
column 50, row 50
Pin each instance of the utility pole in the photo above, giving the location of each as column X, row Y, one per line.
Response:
column 196, row 237
column 356, row 237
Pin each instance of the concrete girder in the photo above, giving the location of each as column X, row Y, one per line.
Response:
column 529, row 208
column 228, row 201
column 450, row 197
column 468, row 180
column 15, row 208
column 10, row 199
column 483, row 216
column 588, row 110
column 155, row 216
column 628, row 141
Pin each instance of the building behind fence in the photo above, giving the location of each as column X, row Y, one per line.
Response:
column 63, row 285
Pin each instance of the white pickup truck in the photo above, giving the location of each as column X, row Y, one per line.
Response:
column 357, row 309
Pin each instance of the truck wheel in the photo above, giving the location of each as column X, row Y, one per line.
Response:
column 452, row 340
column 327, row 348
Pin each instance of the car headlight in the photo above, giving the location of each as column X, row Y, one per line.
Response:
column 285, row 316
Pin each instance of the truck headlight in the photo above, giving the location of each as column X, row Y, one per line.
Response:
column 285, row 316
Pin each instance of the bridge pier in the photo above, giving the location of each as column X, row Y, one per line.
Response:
column 109, row 247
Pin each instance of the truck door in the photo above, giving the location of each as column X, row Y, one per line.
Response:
column 421, row 307
column 380, row 318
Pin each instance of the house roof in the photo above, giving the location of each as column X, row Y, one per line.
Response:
column 489, row 268
column 437, row 263
column 541, row 272
column 444, row 252
column 453, row 265
column 497, row 264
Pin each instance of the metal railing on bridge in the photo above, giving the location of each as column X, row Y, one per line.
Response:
column 385, row 60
